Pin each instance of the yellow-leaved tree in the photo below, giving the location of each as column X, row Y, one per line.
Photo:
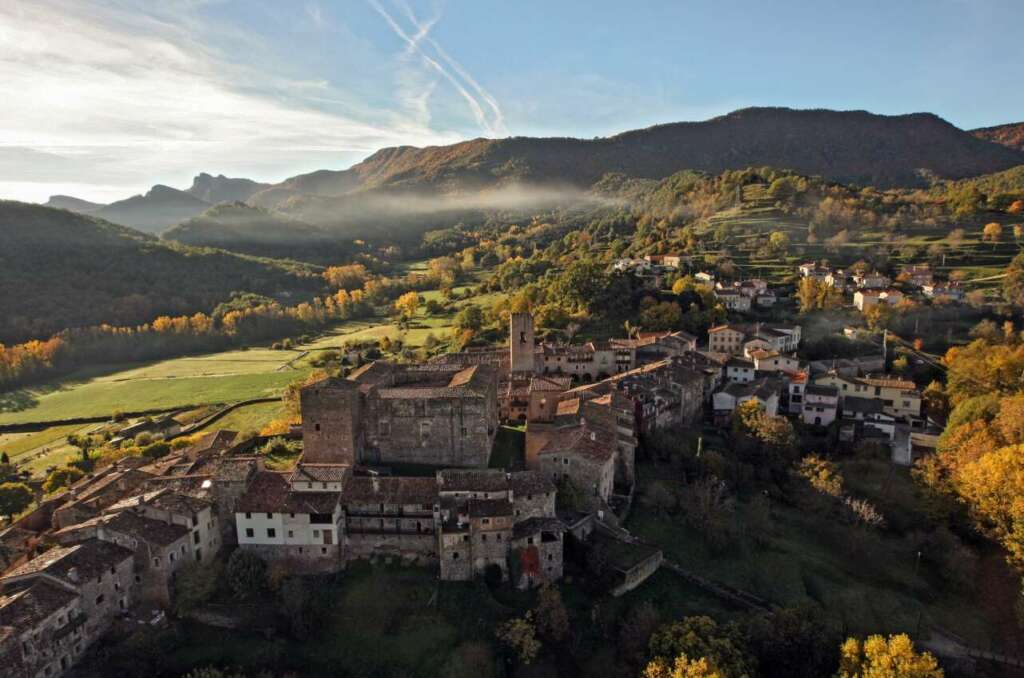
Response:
column 682, row 667
column 879, row 657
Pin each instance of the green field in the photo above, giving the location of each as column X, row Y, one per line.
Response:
column 248, row 418
column 38, row 450
column 98, row 397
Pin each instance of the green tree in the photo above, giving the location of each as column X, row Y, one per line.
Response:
column 470, row 317
column 62, row 477
column 14, row 498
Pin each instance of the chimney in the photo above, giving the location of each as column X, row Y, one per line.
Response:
column 376, row 483
column 73, row 574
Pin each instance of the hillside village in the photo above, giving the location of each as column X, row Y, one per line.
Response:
column 102, row 556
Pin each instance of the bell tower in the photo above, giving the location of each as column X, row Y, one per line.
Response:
column 521, row 344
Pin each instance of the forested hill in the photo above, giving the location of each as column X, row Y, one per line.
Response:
column 1010, row 135
column 847, row 146
column 154, row 212
column 59, row 269
column 252, row 230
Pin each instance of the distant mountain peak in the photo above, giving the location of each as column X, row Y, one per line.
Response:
column 214, row 189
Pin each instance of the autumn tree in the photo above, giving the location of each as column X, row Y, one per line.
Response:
column 520, row 635
column 721, row 646
column 822, row 475
column 407, row 304
column 892, row 657
column 683, row 667
column 992, row 232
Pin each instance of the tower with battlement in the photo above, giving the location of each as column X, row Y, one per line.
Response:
column 521, row 343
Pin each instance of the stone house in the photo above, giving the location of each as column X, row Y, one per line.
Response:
column 900, row 397
column 732, row 300
column 821, row 403
column 100, row 573
column 859, row 414
column 739, row 370
column 872, row 281
column 301, row 528
column 160, row 548
column 582, row 453
column 41, row 630
column 393, row 516
column 763, row 391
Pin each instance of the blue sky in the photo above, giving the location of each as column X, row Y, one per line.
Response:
column 104, row 98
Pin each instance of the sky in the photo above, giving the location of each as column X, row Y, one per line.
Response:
column 101, row 99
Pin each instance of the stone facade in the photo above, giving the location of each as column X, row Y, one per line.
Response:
column 440, row 415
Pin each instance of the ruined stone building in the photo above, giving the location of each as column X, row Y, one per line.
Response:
column 439, row 415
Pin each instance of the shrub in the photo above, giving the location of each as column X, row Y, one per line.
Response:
column 246, row 573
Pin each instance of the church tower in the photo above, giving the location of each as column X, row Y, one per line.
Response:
column 520, row 339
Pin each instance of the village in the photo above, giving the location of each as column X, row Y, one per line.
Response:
column 397, row 463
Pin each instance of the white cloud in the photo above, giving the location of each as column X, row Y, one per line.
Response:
column 104, row 96
column 492, row 120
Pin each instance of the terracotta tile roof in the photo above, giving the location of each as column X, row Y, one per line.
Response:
column 70, row 564
column 489, row 508
column 550, row 383
column 270, row 492
column 324, row 473
column 583, row 440
column 136, row 526
column 526, row 483
column 533, row 526
column 390, row 490
column 889, row 382
column 472, row 480
column 24, row 607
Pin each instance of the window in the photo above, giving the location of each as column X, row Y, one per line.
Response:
column 316, row 427
column 249, row 532
column 483, row 537
column 195, row 537
column 156, row 561
column 316, row 534
column 195, row 521
column 270, row 516
column 171, row 557
column 465, row 431
column 455, row 556
column 291, row 533
column 271, row 532
column 384, row 429
column 248, row 516
column 99, row 599
column 424, row 429
column 323, row 549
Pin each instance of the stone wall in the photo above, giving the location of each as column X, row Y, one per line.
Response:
column 331, row 422
column 300, row 559
column 452, row 431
